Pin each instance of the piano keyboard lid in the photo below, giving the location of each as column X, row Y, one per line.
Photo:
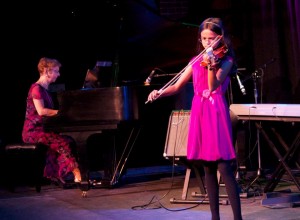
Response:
column 275, row 110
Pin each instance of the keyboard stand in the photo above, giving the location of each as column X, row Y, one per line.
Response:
column 283, row 161
column 282, row 168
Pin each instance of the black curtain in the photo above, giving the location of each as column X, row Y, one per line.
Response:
column 275, row 27
column 138, row 36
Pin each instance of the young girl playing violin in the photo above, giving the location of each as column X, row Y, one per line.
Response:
column 210, row 131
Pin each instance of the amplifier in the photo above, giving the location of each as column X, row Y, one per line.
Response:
column 176, row 139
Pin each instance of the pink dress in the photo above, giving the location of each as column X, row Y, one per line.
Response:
column 210, row 131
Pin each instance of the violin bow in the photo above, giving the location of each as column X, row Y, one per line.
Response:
column 177, row 76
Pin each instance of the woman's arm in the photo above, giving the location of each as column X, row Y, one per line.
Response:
column 41, row 110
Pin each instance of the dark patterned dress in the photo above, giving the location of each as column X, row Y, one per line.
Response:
column 60, row 160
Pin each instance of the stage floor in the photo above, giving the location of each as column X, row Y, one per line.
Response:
column 152, row 193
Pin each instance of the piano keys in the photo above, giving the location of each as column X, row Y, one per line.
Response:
column 269, row 112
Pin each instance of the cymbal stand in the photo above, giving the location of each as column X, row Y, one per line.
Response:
column 255, row 77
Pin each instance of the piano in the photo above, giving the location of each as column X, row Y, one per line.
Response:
column 86, row 112
column 93, row 109
column 269, row 112
column 263, row 115
column 83, row 113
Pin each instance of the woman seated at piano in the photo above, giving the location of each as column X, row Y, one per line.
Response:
column 59, row 161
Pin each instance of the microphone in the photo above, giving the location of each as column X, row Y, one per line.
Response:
column 148, row 80
column 242, row 88
column 269, row 62
column 166, row 74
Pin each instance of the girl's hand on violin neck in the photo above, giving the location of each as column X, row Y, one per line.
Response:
column 210, row 52
column 209, row 61
column 206, row 58
column 153, row 95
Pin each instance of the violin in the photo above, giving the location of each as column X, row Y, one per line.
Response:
column 217, row 55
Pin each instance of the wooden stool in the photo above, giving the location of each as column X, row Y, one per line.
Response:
column 23, row 161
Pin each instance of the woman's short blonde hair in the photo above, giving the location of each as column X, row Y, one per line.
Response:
column 47, row 63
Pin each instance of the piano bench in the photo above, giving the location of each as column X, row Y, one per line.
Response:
column 25, row 162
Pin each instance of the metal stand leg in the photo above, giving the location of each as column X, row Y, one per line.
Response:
column 120, row 166
column 283, row 162
column 187, row 180
column 274, row 198
column 202, row 189
column 118, row 169
column 259, row 170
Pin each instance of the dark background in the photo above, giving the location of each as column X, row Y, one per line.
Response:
column 138, row 36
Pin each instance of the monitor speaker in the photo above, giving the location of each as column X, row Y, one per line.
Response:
column 176, row 140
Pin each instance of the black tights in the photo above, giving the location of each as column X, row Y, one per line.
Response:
column 212, row 186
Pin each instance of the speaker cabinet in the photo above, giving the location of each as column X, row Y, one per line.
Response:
column 176, row 140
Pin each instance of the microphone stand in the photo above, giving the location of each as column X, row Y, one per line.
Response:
column 255, row 76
